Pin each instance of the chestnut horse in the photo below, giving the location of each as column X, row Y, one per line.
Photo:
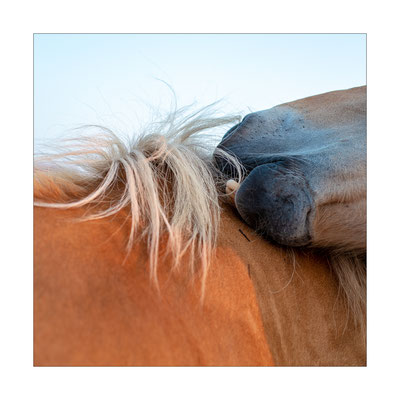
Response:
column 139, row 260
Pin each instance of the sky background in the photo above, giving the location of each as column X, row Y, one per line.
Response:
column 114, row 79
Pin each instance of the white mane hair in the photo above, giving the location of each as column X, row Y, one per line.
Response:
column 167, row 177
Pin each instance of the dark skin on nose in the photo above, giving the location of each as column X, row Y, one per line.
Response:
column 275, row 198
column 277, row 203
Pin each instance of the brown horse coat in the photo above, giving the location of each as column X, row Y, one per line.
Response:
column 91, row 309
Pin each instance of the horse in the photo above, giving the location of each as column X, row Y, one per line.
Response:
column 306, row 179
column 141, row 260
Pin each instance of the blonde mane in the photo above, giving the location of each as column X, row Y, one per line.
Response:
column 164, row 176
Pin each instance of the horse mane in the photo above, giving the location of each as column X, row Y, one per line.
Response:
column 351, row 273
column 165, row 176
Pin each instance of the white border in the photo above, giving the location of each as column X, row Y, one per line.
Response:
column 18, row 22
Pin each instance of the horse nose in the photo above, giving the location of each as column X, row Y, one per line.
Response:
column 277, row 203
column 249, row 122
column 230, row 132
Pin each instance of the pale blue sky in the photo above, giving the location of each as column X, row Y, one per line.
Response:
column 106, row 79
